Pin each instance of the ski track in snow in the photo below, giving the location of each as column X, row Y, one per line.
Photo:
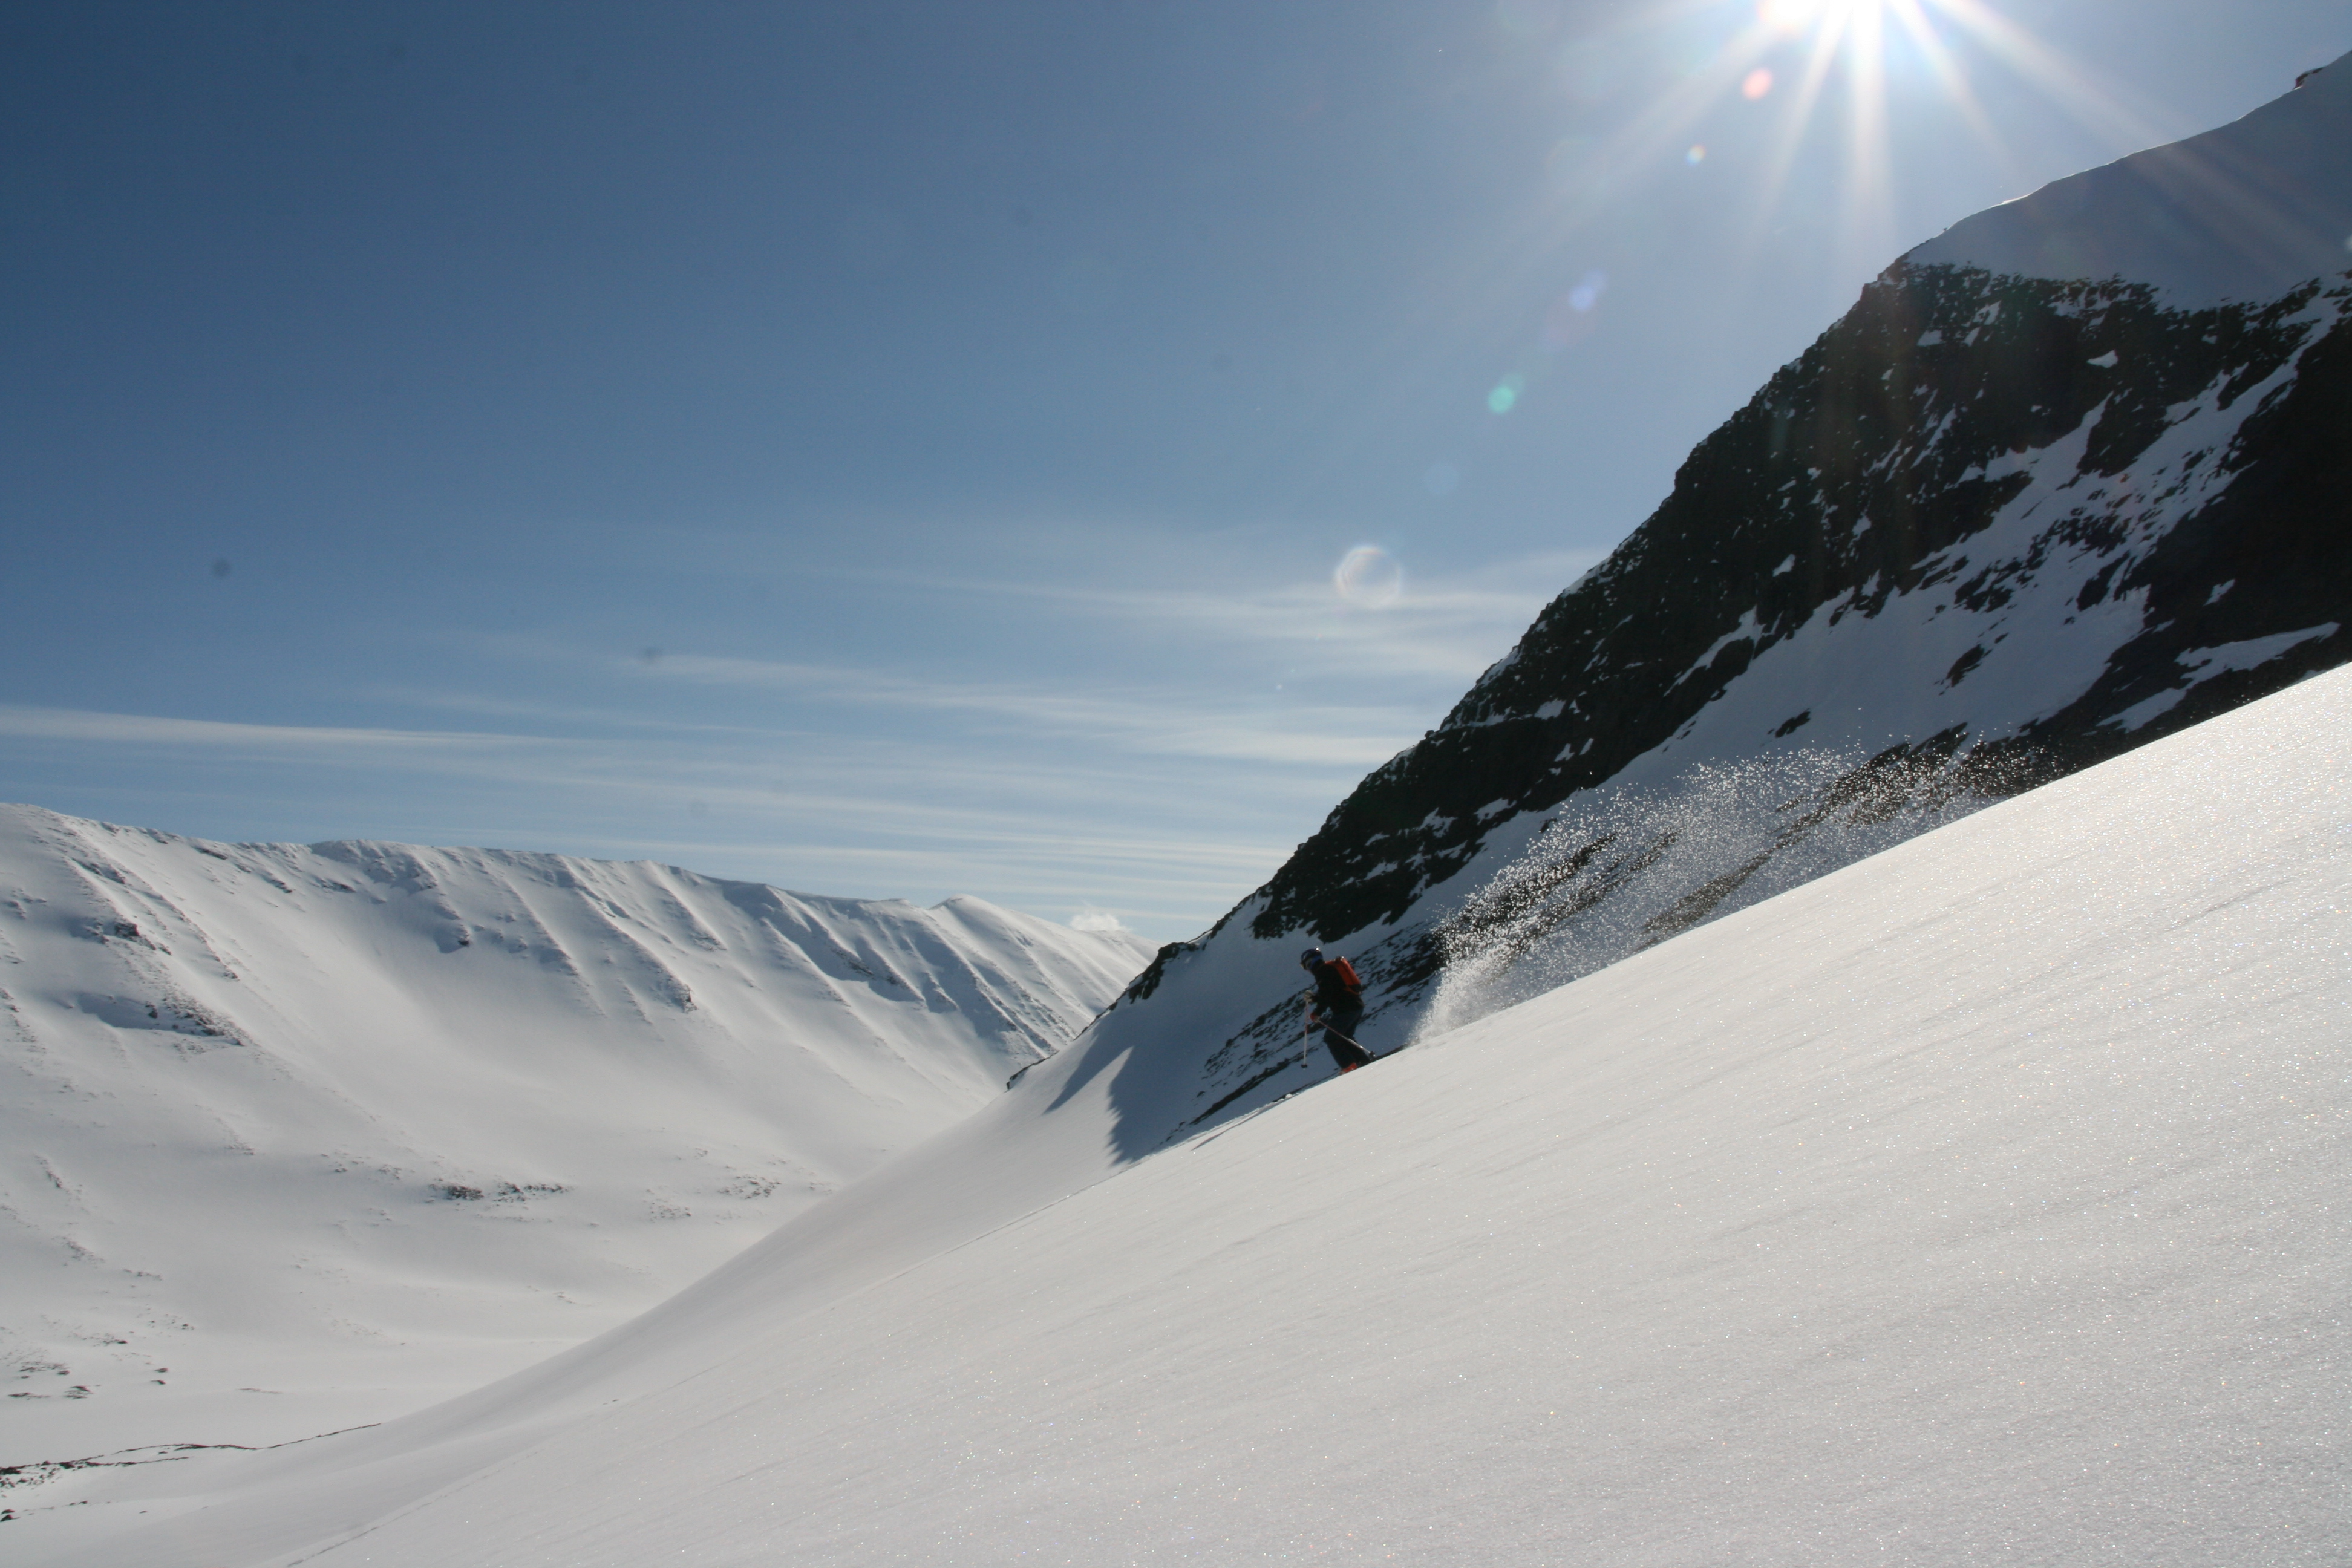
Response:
column 296, row 1138
column 1980, row 1201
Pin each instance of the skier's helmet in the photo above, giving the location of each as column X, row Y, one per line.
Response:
column 1310, row 958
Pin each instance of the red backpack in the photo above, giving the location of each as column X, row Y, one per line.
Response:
column 1347, row 975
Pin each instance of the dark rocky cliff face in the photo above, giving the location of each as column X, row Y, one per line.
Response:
column 1986, row 530
column 1909, row 413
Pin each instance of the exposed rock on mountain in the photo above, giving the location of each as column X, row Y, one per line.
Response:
column 2002, row 520
column 2063, row 510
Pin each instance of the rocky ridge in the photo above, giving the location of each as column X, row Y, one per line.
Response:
column 1990, row 528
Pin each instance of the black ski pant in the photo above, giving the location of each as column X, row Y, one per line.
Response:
column 1339, row 1022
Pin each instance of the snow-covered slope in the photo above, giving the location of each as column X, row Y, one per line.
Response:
column 294, row 1137
column 1994, row 526
column 1981, row 1202
column 2246, row 212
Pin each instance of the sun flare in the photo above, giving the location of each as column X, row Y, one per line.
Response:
column 1801, row 15
column 1797, row 60
column 1822, row 90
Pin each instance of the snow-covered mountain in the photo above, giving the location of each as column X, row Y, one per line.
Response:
column 293, row 1138
column 1977, row 1202
column 2070, row 477
column 1970, row 1203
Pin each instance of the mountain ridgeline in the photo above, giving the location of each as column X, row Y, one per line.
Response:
column 1992, row 526
column 339, row 1125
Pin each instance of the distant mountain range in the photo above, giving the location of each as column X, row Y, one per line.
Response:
column 293, row 1136
column 2072, row 476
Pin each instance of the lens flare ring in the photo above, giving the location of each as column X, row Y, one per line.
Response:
column 1368, row 578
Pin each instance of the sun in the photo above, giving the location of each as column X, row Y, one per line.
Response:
column 1801, row 15
column 1857, row 40
column 1821, row 85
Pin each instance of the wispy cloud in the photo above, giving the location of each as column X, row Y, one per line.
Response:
column 1449, row 629
column 867, row 780
column 1147, row 720
column 322, row 741
column 1156, row 784
column 1035, row 828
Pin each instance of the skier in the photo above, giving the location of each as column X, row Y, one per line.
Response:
column 1338, row 1004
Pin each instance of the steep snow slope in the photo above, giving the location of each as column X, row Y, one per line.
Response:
column 2245, row 212
column 1981, row 1202
column 294, row 1137
column 1992, row 526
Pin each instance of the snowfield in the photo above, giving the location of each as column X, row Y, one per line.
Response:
column 2245, row 211
column 1982, row 1202
column 298, row 1137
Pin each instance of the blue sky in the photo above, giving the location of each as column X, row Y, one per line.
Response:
column 906, row 449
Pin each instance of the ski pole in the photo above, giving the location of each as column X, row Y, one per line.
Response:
column 1312, row 1020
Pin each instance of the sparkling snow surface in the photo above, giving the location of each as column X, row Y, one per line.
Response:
column 1982, row 1202
column 2247, row 211
column 297, row 1137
